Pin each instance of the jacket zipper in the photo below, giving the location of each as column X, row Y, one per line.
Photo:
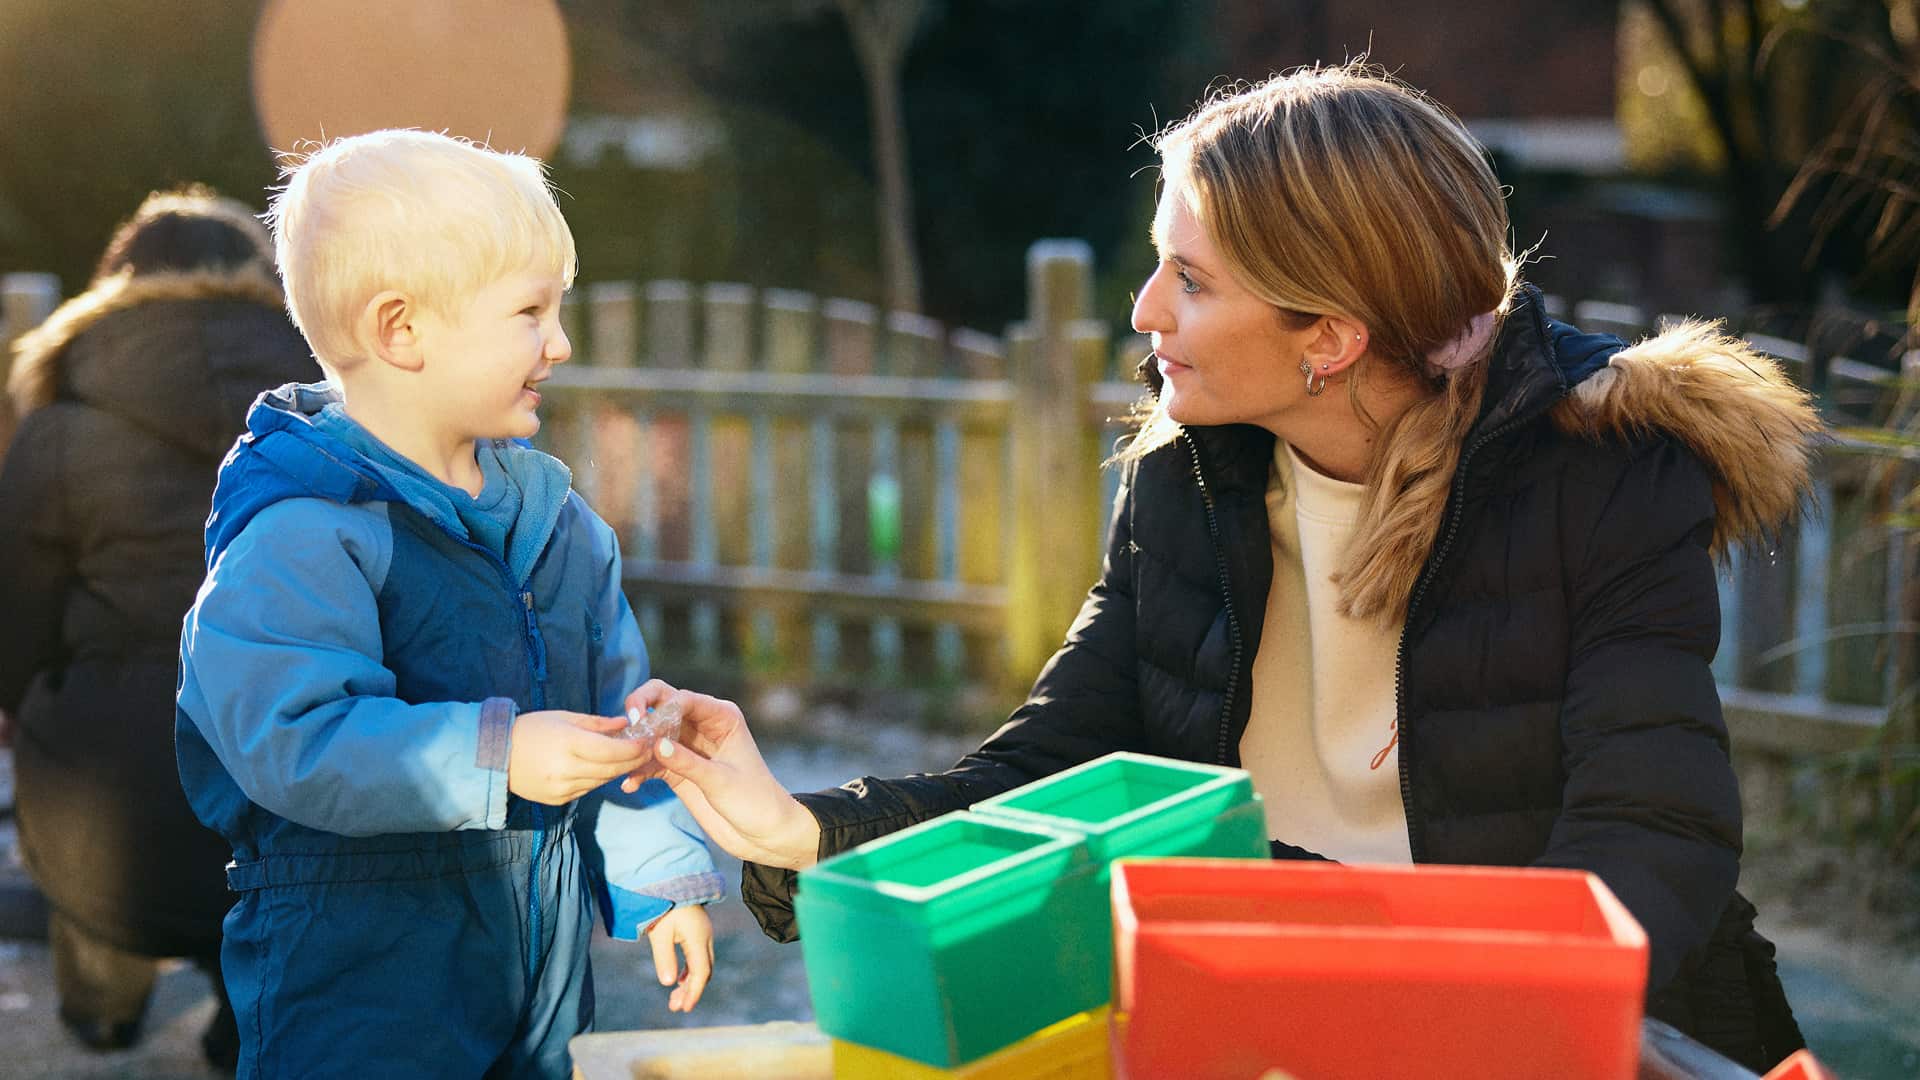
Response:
column 539, row 651
column 1226, row 594
column 1456, row 510
column 537, row 660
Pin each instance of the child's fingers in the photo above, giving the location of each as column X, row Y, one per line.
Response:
column 651, row 692
column 604, row 725
column 699, row 969
column 666, row 966
column 623, row 754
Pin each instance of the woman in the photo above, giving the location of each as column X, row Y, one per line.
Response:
column 1433, row 567
column 128, row 396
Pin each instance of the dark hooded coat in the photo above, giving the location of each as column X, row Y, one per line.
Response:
column 1556, row 706
column 103, row 501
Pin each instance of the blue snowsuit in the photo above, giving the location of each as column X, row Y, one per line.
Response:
column 349, row 675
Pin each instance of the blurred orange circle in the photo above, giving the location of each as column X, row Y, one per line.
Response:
column 491, row 70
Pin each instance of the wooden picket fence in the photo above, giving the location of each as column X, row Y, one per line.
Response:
column 808, row 490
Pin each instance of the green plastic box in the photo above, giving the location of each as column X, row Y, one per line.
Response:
column 1128, row 804
column 955, row 938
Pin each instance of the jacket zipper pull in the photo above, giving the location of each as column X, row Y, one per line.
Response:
column 533, row 635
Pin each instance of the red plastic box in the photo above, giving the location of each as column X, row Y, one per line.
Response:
column 1231, row 968
column 1801, row 1065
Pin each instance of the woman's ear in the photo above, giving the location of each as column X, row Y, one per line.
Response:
column 388, row 330
column 1334, row 342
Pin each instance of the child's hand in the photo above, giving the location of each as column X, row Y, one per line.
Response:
column 687, row 926
column 554, row 756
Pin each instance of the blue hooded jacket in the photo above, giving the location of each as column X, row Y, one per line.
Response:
column 352, row 667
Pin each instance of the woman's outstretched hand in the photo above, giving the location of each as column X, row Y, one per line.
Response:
column 719, row 774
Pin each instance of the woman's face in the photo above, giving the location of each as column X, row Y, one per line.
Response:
column 1225, row 354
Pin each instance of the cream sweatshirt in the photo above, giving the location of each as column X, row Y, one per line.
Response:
column 1321, row 743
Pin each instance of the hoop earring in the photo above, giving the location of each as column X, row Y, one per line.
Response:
column 1314, row 389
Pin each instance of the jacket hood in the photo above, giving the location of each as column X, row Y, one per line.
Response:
column 1734, row 408
column 283, row 456
column 1753, row 427
column 286, row 454
column 179, row 355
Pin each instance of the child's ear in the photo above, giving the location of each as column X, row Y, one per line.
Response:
column 388, row 329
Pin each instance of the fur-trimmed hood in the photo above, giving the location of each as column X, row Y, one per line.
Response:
column 1753, row 427
column 179, row 354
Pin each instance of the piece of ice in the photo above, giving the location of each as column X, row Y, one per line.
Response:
column 662, row 722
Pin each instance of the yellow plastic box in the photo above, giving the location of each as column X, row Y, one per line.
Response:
column 1073, row 1049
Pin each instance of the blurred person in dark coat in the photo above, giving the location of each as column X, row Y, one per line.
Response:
column 129, row 395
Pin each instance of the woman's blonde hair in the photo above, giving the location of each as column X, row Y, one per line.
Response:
column 1341, row 190
column 433, row 215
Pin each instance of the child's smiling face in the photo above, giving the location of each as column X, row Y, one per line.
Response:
column 483, row 364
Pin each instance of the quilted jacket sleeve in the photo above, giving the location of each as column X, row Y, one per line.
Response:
column 1650, row 803
column 1083, row 705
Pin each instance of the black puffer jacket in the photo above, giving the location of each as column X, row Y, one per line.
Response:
column 1555, row 702
column 103, row 501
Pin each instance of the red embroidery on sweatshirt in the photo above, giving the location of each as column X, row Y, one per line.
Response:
column 1380, row 758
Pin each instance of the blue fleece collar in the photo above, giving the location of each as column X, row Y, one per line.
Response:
column 290, row 450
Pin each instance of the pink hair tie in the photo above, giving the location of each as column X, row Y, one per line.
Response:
column 1464, row 349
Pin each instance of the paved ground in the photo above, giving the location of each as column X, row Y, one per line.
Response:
column 1860, row 1006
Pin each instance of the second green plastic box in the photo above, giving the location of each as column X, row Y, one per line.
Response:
column 1128, row 804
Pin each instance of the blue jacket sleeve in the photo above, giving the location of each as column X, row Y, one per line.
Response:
column 281, row 673
column 645, row 848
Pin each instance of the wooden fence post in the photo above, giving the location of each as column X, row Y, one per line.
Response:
column 25, row 302
column 1055, row 531
column 613, row 320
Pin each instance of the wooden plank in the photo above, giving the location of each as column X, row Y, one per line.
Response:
column 986, row 462
column 670, row 336
column 763, row 647
column 848, row 397
column 851, row 328
column 1796, row 725
column 1624, row 321
column 949, row 645
column 973, row 607
column 1726, row 659
column 704, row 621
column 668, row 459
column 1857, row 576
column 613, row 320
column 729, row 328
column 669, row 345
column 849, row 332
column 883, row 539
column 823, row 533
column 790, row 340
column 789, row 345
column 976, row 355
column 915, row 344
column 919, row 490
column 1810, row 615
column 730, row 315
column 1766, row 622
column 643, row 543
